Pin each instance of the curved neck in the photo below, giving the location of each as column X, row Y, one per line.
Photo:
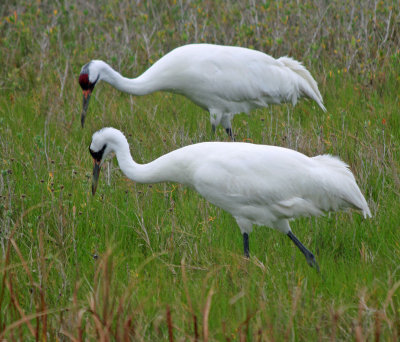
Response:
column 135, row 86
column 163, row 169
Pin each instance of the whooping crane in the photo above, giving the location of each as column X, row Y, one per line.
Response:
column 257, row 184
column 224, row 80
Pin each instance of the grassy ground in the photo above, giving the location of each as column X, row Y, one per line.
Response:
column 141, row 262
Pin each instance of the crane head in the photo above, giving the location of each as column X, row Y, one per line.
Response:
column 97, row 161
column 104, row 143
column 87, row 88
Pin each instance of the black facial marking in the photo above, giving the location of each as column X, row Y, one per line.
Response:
column 84, row 78
column 98, row 155
column 85, row 83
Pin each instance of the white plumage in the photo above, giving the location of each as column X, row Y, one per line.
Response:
column 257, row 184
column 224, row 80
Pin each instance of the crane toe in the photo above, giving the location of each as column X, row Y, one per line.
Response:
column 312, row 262
column 310, row 258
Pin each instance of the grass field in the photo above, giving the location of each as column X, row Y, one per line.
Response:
column 158, row 262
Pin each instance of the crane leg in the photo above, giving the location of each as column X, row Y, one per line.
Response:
column 309, row 256
column 246, row 245
column 229, row 132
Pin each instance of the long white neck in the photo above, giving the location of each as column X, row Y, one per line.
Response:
column 163, row 169
column 135, row 86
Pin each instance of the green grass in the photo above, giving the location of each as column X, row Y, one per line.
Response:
column 115, row 266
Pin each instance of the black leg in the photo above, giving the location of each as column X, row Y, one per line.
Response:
column 309, row 256
column 229, row 132
column 213, row 128
column 246, row 245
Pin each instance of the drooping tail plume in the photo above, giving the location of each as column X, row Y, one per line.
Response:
column 309, row 87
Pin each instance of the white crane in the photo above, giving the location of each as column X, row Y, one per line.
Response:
column 257, row 184
column 224, row 80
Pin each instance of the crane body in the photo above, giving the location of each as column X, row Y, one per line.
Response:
column 257, row 184
column 224, row 80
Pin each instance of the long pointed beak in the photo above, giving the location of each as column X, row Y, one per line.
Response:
column 95, row 178
column 86, row 98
